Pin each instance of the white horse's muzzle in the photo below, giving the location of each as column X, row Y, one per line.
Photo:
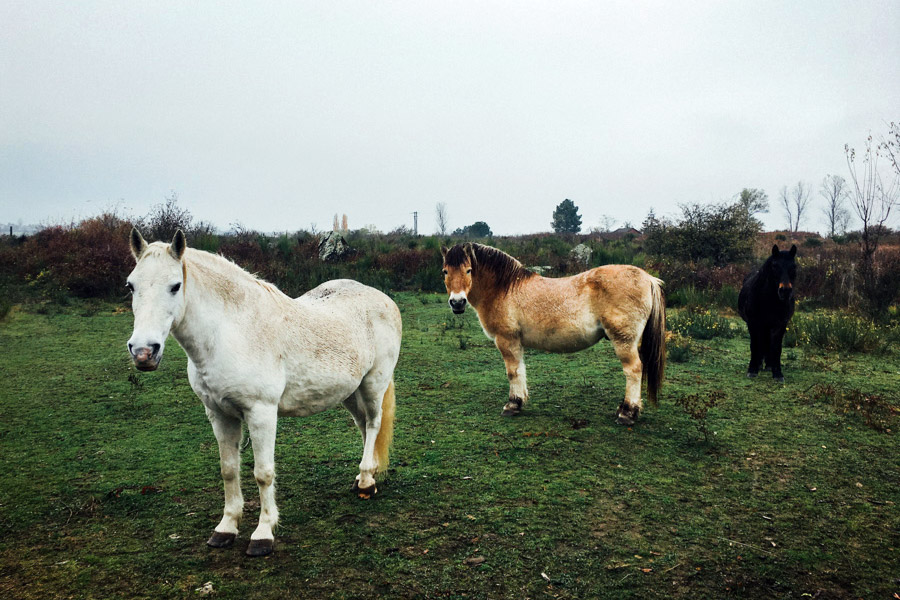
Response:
column 146, row 358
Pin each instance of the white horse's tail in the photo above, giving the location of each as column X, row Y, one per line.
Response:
column 386, row 432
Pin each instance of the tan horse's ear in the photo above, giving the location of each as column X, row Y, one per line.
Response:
column 138, row 245
column 444, row 251
column 470, row 252
column 176, row 249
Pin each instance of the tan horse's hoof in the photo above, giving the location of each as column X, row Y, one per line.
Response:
column 260, row 547
column 624, row 420
column 512, row 408
column 220, row 540
column 626, row 415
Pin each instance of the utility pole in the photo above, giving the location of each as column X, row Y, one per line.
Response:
column 415, row 222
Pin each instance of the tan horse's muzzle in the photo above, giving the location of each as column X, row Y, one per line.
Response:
column 458, row 303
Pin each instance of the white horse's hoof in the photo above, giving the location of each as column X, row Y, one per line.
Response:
column 365, row 493
column 260, row 547
column 221, row 540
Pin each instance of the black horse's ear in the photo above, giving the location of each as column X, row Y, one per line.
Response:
column 775, row 250
column 444, row 251
column 793, row 250
column 178, row 245
column 470, row 252
column 138, row 245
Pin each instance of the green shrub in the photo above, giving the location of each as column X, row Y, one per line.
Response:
column 679, row 348
column 840, row 332
column 688, row 297
column 702, row 325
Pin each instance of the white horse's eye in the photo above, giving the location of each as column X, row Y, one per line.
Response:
column 129, row 287
column 175, row 288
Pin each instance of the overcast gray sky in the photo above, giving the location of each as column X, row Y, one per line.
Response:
column 279, row 115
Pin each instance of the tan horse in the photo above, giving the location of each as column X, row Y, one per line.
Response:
column 519, row 309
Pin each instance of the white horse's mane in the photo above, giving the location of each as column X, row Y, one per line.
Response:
column 219, row 275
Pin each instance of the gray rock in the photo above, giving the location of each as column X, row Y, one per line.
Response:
column 332, row 246
column 581, row 254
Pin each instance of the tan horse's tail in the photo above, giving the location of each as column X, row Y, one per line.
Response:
column 653, row 342
column 386, row 432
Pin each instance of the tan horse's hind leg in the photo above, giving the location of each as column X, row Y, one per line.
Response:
column 627, row 351
column 513, row 357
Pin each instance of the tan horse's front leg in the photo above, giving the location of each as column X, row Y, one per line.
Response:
column 513, row 356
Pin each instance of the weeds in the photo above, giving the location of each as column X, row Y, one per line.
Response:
column 697, row 407
column 875, row 410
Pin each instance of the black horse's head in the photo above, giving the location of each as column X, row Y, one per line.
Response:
column 781, row 268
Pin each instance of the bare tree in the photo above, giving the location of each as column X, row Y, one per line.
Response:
column 870, row 197
column 834, row 191
column 890, row 145
column 794, row 203
column 440, row 215
column 335, row 225
column 344, row 227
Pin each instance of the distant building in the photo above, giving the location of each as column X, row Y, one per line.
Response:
column 619, row 233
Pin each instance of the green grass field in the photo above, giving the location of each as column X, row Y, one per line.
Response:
column 110, row 478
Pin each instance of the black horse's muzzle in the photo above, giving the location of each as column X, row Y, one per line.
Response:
column 785, row 291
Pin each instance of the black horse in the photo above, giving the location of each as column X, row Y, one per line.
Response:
column 766, row 303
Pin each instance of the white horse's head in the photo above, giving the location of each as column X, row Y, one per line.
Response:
column 157, row 288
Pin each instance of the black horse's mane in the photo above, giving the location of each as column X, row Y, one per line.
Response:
column 507, row 270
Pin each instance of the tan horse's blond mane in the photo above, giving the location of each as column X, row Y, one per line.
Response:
column 507, row 271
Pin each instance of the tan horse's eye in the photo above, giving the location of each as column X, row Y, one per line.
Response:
column 468, row 271
column 444, row 271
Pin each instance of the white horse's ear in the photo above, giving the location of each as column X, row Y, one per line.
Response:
column 470, row 252
column 444, row 251
column 176, row 249
column 138, row 245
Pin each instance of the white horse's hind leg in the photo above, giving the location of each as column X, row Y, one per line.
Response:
column 354, row 404
column 262, row 424
column 371, row 395
column 228, row 434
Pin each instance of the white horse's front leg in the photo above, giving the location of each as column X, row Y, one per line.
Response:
column 228, row 434
column 514, row 358
column 262, row 423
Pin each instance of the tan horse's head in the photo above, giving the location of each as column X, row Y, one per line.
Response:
column 458, row 264
column 157, row 289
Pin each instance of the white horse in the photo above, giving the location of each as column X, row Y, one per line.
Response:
column 254, row 354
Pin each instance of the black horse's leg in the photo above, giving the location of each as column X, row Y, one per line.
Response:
column 773, row 356
column 756, row 350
